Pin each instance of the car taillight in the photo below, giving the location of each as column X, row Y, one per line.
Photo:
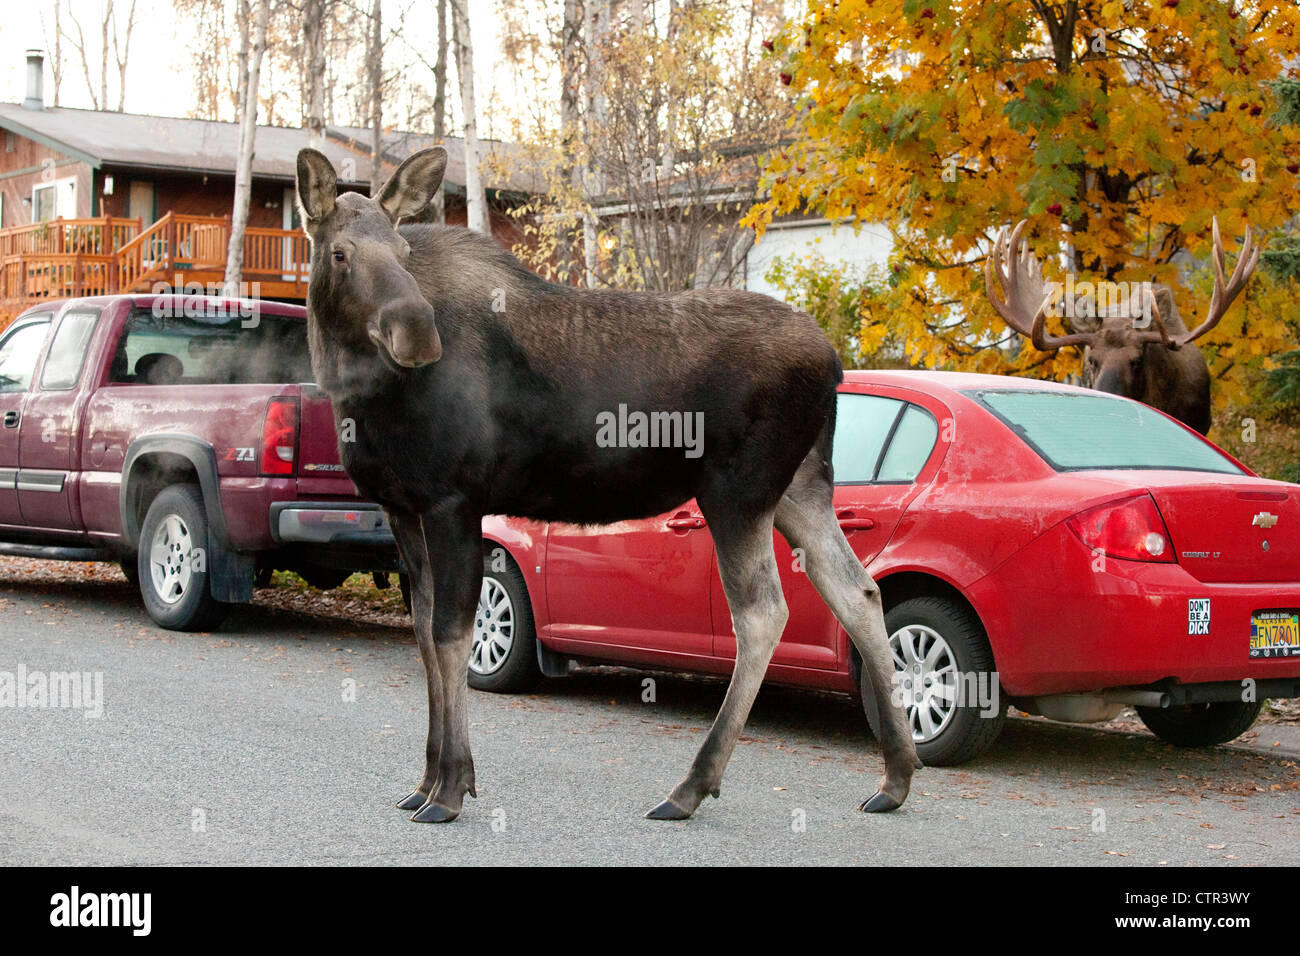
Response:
column 1131, row 529
column 280, row 436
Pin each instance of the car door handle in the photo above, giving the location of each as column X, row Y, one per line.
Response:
column 11, row 419
column 684, row 521
column 851, row 521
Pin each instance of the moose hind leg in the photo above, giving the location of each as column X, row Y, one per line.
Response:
column 806, row 518
column 747, row 566
column 455, row 547
column 411, row 546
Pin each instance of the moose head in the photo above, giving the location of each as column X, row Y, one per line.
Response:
column 1144, row 360
column 359, row 261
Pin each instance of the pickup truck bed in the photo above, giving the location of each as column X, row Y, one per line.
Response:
column 181, row 436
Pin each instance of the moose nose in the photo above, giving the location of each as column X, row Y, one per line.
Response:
column 408, row 333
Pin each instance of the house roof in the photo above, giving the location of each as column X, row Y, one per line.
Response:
column 506, row 167
column 103, row 138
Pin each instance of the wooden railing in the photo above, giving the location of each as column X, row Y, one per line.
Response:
column 95, row 236
column 83, row 257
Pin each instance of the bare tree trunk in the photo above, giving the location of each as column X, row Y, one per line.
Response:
column 314, row 13
column 56, row 54
column 121, row 51
column 475, row 197
column 375, row 72
column 79, row 44
column 570, row 94
column 103, row 56
column 247, row 135
column 440, row 102
column 596, row 29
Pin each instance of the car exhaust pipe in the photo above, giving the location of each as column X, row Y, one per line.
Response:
column 1139, row 698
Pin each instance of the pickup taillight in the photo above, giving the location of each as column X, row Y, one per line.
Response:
column 280, row 436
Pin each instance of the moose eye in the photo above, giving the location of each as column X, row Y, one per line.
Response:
column 338, row 255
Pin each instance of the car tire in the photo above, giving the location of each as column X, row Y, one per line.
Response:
column 963, row 732
column 1201, row 725
column 503, row 657
column 173, row 581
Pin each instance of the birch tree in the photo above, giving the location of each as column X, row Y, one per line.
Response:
column 314, row 13
column 475, row 197
column 439, row 204
column 56, row 51
column 251, row 51
column 375, row 86
column 121, row 50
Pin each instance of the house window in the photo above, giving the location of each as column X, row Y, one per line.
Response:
column 10, row 143
column 52, row 200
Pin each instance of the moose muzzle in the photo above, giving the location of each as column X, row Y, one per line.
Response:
column 408, row 333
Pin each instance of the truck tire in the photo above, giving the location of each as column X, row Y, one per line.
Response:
column 1201, row 725
column 955, row 652
column 503, row 657
column 173, row 562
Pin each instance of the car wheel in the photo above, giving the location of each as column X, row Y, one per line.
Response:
column 1201, row 725
column 934, row 642
column 172, row 563
column 503, row 657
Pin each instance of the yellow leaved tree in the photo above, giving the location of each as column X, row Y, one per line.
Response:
column 1117, row 128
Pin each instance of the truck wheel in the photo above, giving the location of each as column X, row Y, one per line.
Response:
column 503, row 657
column 173, row 562
column 1200, row 725
column 943, row 659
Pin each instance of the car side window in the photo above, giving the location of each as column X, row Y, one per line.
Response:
column 862, row 426
column 68, row 350
column 910, row 447
column 19, row 351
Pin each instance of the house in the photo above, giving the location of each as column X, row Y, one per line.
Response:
column 96, row 201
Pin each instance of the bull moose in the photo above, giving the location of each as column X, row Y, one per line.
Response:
column 472, row 387
column 1157, row 365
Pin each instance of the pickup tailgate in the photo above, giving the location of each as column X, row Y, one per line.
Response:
column 319, row 471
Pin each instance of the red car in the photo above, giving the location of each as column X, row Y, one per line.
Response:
column 1052, row 547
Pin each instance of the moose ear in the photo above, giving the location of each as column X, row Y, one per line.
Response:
column 414, row 183
column 317, row 188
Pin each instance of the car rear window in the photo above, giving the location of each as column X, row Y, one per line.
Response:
column 1073, row 431
column 211, row 350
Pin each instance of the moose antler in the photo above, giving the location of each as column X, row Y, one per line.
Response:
column 1223, row 295
column 1024, row 298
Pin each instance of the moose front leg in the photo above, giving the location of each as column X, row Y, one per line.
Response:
column 453, row 538
column 409, row 534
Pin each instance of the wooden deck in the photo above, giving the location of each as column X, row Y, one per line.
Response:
column 68, row 258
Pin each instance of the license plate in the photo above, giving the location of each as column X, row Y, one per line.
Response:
column 1275, row 634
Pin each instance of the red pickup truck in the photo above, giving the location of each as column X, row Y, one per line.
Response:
column 179, row 435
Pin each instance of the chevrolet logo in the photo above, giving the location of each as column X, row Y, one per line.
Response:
column 1264, row 520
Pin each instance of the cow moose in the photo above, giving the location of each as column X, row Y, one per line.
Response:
column 1157, row 365
column 473, row 386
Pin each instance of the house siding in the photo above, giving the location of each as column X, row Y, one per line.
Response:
column 30, row 163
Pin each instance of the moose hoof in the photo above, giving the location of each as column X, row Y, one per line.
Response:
column 434, row 813
column 412, row 802
column 668, row 811
column 879, row 802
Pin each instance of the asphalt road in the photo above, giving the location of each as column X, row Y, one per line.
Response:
column 240, row 747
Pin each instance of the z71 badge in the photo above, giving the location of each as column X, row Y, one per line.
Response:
column 241, row 454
